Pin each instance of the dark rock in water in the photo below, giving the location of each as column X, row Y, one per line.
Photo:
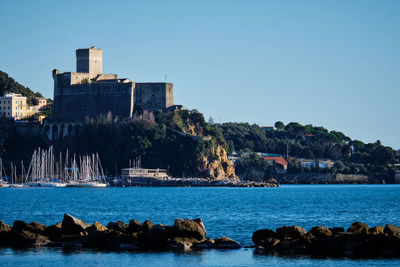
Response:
column 260, row 236
column 40, row 241
column 134, row 226
column 291, row 246
column 53, row 230
column 26, row 238
column 96, row 227
column 377, row 230
column 72, row 225
column 182, row 243
column 200, row 222
column 336, row 230
column 320, row 232
column 158, row 236
column 147, row 225
column 392, row 230
column 118, row 226
column 4, row 227
column 5, row 234
column 226, row 243
column 101, row 239
column 270, row 243
column 294, row 232
column 190, row 228
column 110, row 239
column 359, row 228
column 33, row 227
column 36, row 227
column 204, row 244
column 19, row 226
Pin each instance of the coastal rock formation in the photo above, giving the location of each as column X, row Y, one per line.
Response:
column 219, row 167
column 74, row 233
column 359, row 241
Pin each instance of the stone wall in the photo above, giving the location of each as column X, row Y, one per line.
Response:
column 75, row 103
column 321, row 178
column 154, row 95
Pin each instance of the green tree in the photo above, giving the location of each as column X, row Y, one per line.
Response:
column 279, row 125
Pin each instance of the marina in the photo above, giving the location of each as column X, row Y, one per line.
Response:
column 46, row 170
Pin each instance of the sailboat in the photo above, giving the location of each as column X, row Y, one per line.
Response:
column 14, row 180
column 2, row 182
column 46, row 171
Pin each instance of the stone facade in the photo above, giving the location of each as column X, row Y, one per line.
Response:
column 89, row 93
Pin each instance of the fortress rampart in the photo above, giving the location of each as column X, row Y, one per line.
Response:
column 89, row 93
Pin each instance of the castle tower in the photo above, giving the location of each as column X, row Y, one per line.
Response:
column 89, row 60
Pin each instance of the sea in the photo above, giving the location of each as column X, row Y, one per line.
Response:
column 225, row 211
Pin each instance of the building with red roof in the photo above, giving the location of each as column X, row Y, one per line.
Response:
column 279, row 163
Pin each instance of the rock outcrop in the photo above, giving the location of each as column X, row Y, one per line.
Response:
column 219, row 167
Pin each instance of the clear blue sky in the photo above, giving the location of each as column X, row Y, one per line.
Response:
column 329, row 63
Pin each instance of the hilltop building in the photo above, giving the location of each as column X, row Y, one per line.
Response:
column 88, row 93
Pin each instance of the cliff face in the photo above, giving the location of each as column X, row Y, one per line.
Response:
column 217, row 166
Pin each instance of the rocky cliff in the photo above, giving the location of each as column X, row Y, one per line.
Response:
column 218, row 166
column 213, row 161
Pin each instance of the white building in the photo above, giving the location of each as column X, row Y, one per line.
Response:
column 13, row 106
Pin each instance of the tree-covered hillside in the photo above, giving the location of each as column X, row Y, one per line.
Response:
column 9, row 85
column 311, row 142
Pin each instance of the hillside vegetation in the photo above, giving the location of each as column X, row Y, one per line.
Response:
column 9, row 85
column 311, row 142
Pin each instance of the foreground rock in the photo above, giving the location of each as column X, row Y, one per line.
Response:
column 359, row 241
column 75, row 233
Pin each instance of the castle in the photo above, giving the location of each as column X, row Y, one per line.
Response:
column 88, row 92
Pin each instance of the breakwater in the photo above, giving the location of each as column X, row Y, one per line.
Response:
column 359, row 241
column 202, row 182
column 136, row 236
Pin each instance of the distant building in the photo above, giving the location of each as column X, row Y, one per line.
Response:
column 234, row 157
column 262, row 154
column 278, row 163
column 41, row 102
column 267, row 128
column 309, row 137
column 316, row 163
column 13, row 106
column 397, row 176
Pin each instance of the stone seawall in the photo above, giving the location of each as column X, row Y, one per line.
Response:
column 321, row 178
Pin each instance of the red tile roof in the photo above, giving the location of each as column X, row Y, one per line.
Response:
column 277, row 160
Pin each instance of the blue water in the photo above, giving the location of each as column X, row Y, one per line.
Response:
column 232, row 212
